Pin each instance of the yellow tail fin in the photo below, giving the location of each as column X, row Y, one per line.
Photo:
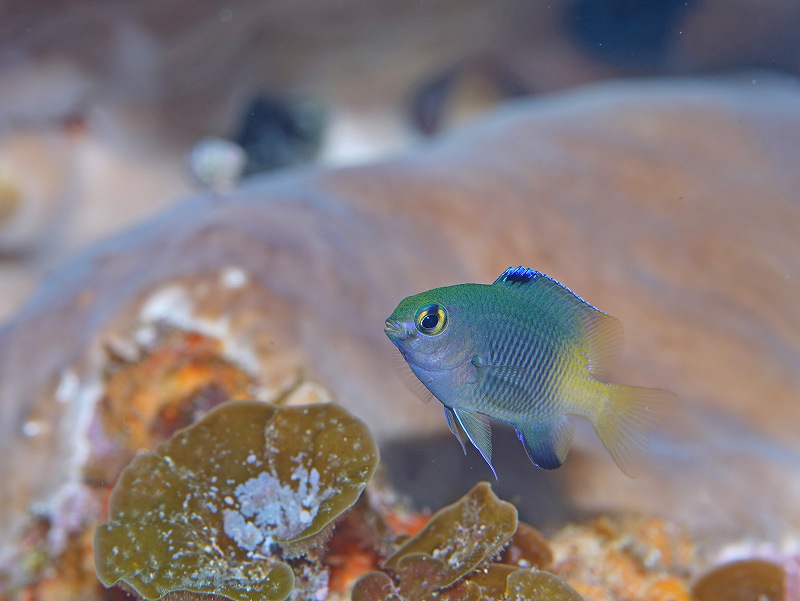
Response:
column 630, row 412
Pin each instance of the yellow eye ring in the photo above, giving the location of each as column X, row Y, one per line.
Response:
column 431, row 320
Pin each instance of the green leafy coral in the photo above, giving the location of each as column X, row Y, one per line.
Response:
column 237, row 505
column 460, row 536
column 224, row 505
column 451, row 559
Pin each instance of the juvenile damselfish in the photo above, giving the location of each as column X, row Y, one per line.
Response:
column 527, row 351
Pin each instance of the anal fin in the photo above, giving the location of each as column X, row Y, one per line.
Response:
column 547, row 443
column 479, row 433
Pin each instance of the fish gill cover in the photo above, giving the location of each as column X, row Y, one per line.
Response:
column 225, row 505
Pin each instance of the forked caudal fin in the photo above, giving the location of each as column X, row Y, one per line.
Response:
column 623, row 426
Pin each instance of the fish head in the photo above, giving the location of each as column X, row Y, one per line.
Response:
column 430, row 330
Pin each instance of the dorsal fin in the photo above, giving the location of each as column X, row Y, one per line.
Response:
column 518, row 275
column 532, row 282
column 598, row 335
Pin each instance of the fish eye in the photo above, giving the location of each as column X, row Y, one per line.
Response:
column 431, row 320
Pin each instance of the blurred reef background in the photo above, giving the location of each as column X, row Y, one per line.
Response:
column 203, row 201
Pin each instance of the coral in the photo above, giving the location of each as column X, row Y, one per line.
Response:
column 361, row 539
column 784, row 553
column 299, row 267
column 742, row 581
column 449, row 559
column 36, row 189
column 534, row 585
column 288, row 264
column 162, row 379
column 461, row 536
column 625, row 559
column 221, row 507
column 527, row 548
column 152, row 390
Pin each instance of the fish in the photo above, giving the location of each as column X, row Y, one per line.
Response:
column 527, row 351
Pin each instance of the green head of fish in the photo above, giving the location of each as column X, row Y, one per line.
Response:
column 431, row 329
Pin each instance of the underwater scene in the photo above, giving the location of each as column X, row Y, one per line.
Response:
column 448, row 300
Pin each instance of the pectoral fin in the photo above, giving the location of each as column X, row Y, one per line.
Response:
column 547, row 443
column 479, row 433
column 407, row 377
column 455, row 428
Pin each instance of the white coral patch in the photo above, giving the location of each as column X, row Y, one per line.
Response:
column 171, row 304
column 267, row 510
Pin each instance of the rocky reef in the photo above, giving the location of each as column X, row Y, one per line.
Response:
column 671, row 205
column 263, row 501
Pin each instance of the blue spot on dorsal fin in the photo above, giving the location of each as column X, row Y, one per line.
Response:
column 518, row 275
column 548, row 290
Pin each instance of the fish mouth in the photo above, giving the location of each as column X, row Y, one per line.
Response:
column 396, row 331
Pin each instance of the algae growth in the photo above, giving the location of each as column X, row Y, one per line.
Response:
column 225, row 505
column 241, row 505
column 451, row 559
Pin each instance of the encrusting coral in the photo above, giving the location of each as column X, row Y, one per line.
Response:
column 743, row 580
column 153, row 390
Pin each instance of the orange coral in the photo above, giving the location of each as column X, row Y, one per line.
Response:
column 406, row 524
column 179, row 377
column 625, row 559
column 668, row 588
